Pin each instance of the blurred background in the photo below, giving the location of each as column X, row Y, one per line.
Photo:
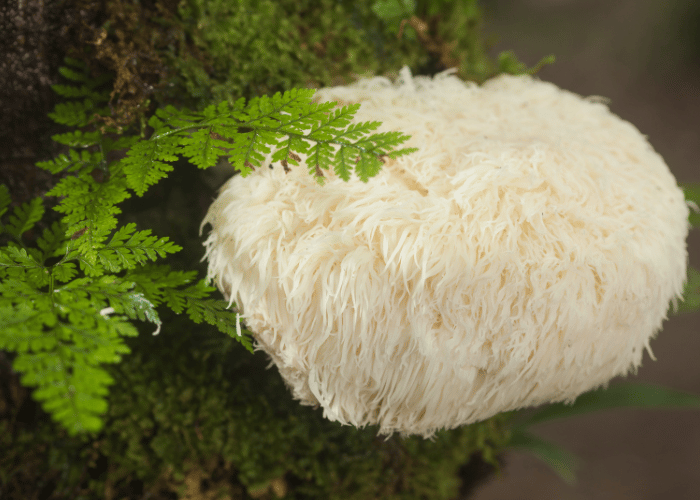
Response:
column 645, row 56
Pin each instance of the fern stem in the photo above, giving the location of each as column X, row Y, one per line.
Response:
column 51, row 287
column 276, row 130
column 184, row 129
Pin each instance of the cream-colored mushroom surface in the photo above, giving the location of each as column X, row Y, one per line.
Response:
column 526, row 253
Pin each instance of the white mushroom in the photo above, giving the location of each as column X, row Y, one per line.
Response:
column 527, row 253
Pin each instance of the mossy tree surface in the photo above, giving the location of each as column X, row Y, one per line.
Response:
column 191, row 406
column 187, row 402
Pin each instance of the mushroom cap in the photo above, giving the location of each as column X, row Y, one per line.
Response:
column 526, row 253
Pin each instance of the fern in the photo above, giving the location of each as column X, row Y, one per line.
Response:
column 68, row 301
column 216, row 131
column 24, row 217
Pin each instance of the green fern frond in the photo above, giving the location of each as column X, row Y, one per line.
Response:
column 20, row 286
column 215, row 313
column 86, row 91
column 21, row 325
column 129, row 248
column 74, row 161
column 64, row 272
column 73, row 75
column 202, row 148
column 77, row 138
column 121, row 143
column 328, row 126
column 137, row 306
column 58, row 353
column 115, row 292
column 82, row 91
column 80, row 75
column 292, row 110
column 178, row 300
column 5, row 199
column 176, row 118
column 146, row 163
column 16, row 257
column 245, row 133
column 320, row 156
column 73, row 114
column 24, row 217
column 90, row 208
column 63, row 366
column 160, row 284
column 61, row 162
column 52, row 241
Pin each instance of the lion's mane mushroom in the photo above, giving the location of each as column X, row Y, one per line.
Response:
column 525, row 254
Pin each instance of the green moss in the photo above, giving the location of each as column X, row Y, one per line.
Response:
column 198, row 398
column 258, row 47
column 176, row 401
column 196, row 52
